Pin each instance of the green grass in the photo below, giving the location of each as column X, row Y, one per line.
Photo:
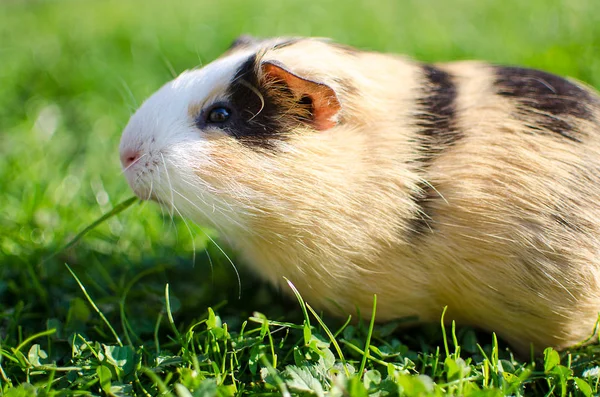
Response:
column 140, row 309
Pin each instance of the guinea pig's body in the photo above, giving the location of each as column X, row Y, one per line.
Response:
column 353, row 173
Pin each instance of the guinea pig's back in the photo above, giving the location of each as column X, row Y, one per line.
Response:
column 513, row 199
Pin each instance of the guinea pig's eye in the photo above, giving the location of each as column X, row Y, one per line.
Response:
column 218, row 115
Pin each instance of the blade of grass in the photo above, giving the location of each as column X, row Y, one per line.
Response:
column 331, row 338
column 170, row 314
column 32, row 337
column 362, row 352
column 259, row 320
column 280, row 383
column 124, row 323
column 122, row 206
column 95, row 307
column 447, row 350
column 164, row 390
column 156, row 329
column 363, row 363
column 339, row 331
column 85, row 342
column 4, row 377
column 307, row 330
column 455, row 340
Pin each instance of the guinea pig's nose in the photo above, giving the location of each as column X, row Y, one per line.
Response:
column 129, row 156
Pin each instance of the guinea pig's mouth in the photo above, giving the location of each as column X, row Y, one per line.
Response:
column 140, row 180
column 143, row 190
column 152, row 178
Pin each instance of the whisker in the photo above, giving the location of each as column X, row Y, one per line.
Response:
column 191, row 235
column 151, row 187
column 212, row 269
column 219, row 228
column 258, row 94
column 221, row 209
column 169, row 181
column 215, row 243
column 230, row 261
column 210, row 261
column 162, row 209
column 174, row 208
column 162, row 204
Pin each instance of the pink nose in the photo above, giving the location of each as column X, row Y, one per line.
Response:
column 129, row 156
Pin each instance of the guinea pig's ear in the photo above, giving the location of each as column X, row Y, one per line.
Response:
column 309, row 100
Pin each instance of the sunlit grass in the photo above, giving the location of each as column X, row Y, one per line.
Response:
column 71, row 73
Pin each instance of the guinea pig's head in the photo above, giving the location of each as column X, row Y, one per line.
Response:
column 230, row 139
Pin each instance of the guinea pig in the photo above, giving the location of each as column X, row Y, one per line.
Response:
column 353, row 173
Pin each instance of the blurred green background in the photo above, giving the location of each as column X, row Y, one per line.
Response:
column 72, row 72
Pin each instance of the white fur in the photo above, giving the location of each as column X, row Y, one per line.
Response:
column 168, row 141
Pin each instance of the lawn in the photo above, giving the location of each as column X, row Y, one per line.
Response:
column 146, row 304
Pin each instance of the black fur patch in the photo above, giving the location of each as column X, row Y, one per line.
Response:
column 552, row 100
column 437, row 132
column 437, row 112
column 253, row 122
column 423, row 221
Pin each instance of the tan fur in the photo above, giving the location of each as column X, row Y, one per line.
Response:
column 331, row 210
